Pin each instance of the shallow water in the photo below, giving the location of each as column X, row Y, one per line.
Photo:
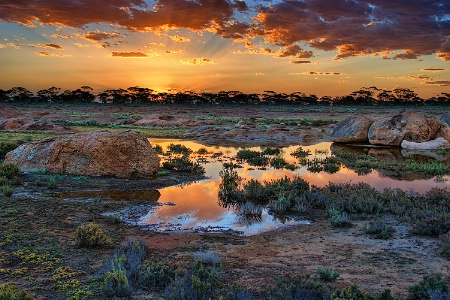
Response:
column 195, row 207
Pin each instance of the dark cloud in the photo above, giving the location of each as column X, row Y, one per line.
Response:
column 295, row 51
column 362, row 27
column 434, row 69
column 129, row 54
column 301, row 62
column 54, row 46
column 440, row 83
column 99, row 35
column 391, row 29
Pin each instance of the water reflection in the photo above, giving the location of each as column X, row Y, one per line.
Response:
column 196, row 207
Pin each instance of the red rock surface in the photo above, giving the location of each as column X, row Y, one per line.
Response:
column 100, row 153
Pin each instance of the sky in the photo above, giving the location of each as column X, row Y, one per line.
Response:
column 321, row 47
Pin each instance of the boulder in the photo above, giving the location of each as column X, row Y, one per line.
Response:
column 444, row 132
column 445, row 119
column 439, row 143
column 100, row 153
column 410, row 126
column 352, row 130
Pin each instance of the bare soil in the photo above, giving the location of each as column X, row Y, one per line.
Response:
column 35, row 218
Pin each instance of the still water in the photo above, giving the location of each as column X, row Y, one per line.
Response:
column 195, row 206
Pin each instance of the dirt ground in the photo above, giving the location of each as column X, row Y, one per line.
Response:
column 34, row 215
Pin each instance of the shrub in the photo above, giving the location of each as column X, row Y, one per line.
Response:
column 183, row 164
column 115, row 281
column 3, row 180
column 51, row 183
column 328, row 274
column 5, row 147
column 444, row 244
column 428, row 284
column 7, row 190
column 179, row 149
column 271, row 151
column 432, row 224
column 9, row 170
column 198, row 283
column 9, row 291
column 254, row 191
column 90, row 235
column 237, row 292
column 155, row 274
column 338, row 218
column 355, row 293
column 158, row 149
column 297, row 287
column 380, row 230
column 208, row 257
column 300, row 153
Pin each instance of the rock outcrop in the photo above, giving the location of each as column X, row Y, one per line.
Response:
column 439, row 143
column 410, row 126
column 100, row 153
column 352, row 130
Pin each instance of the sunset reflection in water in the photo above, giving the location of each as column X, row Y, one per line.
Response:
column 195, row 206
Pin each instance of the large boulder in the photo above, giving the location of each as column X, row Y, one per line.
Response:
column 410, row 126
column 439, row 143
column 445, row 119
column 100, row 153
column 352, row 130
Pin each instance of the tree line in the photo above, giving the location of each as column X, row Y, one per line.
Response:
column 138, row 95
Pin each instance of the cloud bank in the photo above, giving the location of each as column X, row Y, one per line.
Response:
column 400, row 29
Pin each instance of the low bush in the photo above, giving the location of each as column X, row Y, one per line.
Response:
column 179, row 149
column 90, row 235
column 429, row 284
column 444, row 244
column 380, row 230
column 51, row 183
column 7, row 190
column 353, row 292
column 297, row 287
column 115, row 281
column 10, row 291
column 300, row 153
column 5, row 147
column 155, row 274
column 339, row 218
column 200, row 282
column 183, row 164
column 328, row 274
column 9, row 170
column 207, row 257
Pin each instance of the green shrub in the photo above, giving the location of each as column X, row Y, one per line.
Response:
column 200, row 282
column 3, row 180
column 5, row 147
column 9, row 170
column 7, row 190
column 179, row 149
column 158, row 149
column 183, row 164
column 51, row 183
column 355, row 293
column 115, row 282
column 9, row 291
column 379, row 230
column 328, row 274
column 421, row 290
column 300, row 153
column 90, row 235
column 297, row 287
column 155, row 274
column 271, row 151
column 339, row 218
column 444, row 244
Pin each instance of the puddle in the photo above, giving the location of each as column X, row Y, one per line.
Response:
column 195, row 207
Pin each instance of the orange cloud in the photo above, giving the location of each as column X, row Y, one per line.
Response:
column 434, row 69
column 129, row 54
column 99, row 35
column 180, row 39
column 301, row 62
column 197, row 61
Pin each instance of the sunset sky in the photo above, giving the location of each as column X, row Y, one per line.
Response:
column 320, row 47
